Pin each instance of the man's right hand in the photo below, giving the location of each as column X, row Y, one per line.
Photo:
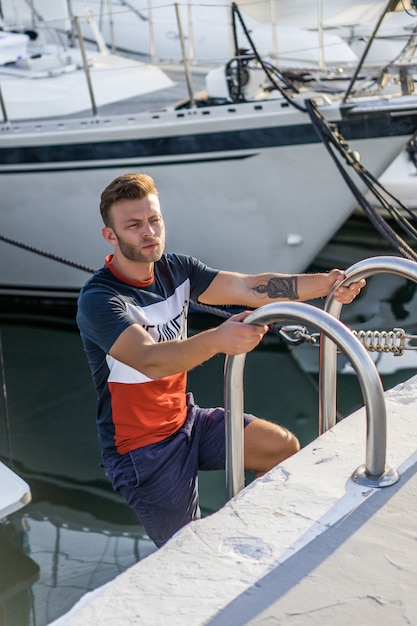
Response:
column 235, row 337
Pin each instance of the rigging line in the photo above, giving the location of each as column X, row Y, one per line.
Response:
column 205, row 308
column 380, row 193
column 395, row 212
column 33, row 10
column 380, row 224
column 134, row 10
column 91, row 270
column 378, row 221
column 236, row 12
column 48, row 255
column 376, row 188
column 265, row 67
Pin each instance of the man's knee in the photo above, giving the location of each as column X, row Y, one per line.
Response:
column 267, row 444
column 292, row 444
column 285, row 445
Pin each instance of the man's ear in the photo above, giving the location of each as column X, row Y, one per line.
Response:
column 109, row 235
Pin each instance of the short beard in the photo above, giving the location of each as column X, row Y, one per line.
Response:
column 133, row 254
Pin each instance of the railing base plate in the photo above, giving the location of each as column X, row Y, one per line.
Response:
column 389, row 477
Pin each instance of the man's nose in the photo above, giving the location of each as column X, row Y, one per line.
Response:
column 148, row 230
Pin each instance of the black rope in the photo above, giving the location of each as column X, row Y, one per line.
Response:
column 267, row 68
column 48, row 255
column 196, row 305
column 220, row 312
column 134, row 10
column 331, row 138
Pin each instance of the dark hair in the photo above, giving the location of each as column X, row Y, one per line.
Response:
column 125, row 187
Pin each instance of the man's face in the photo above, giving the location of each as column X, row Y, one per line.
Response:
column 138, row 229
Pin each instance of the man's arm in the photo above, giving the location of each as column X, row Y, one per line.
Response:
column 136, row 348
column 256, row 290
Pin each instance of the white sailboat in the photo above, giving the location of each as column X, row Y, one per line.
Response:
column 44, row 74
column 293, row 32
column 246, row 183
column 351, row 20
column 150, row 29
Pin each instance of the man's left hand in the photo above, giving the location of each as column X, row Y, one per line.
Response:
column 347, row 293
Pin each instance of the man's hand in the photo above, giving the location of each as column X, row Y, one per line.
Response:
column 234, row 337
column 345, row 295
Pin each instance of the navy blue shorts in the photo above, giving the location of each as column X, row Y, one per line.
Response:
column 160, row 481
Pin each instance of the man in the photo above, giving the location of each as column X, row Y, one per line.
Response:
column 132, row 318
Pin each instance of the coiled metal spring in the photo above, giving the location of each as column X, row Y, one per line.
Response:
column 384, row 341
column 395, row 341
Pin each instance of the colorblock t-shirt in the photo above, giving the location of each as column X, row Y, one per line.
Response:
column 134, row 410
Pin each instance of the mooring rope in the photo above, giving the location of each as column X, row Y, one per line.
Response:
column 48, row 255
column 331, row 138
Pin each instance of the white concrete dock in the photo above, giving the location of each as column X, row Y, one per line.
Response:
column 304, row 545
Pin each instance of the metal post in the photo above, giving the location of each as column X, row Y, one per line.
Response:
column 320, row 33
column 328, row 351
column 191, row 46
column 111, row 25
column 71, row 34
column 32, row 14
column 374, row 473
column 3, row 107
column 274, row 31
column 85, row 64
column 152, row 49
column 233, row 404
column 230, row 19
column 184, row 56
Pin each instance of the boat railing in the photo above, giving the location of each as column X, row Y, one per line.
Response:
column 74, row 33
column 405, row 77
column 328, row 349
column 375, row 472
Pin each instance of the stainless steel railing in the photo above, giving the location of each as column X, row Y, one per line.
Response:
column 374, row 472
column 328, row 349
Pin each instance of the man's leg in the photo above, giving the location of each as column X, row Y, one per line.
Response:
column 267, row 444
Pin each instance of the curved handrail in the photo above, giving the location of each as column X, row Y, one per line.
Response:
column 375, row 471
column 328, row 349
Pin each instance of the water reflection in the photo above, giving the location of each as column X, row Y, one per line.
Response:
column 76, row 534
column 17, row 573
column 68, row 553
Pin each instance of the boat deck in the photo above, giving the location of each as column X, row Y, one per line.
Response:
column 302, row 545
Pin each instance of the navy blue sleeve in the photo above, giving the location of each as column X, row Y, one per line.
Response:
column 200, row 274
column 101, row 317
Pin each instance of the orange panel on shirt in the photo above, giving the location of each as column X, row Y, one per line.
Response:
column 144, row 413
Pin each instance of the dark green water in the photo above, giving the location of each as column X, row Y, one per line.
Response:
column 76, row 534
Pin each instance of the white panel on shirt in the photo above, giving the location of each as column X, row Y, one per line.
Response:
column 164, row 321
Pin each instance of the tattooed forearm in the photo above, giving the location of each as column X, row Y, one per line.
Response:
column 278, row 288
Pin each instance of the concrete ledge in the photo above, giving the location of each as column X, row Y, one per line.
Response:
column 211, row 562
